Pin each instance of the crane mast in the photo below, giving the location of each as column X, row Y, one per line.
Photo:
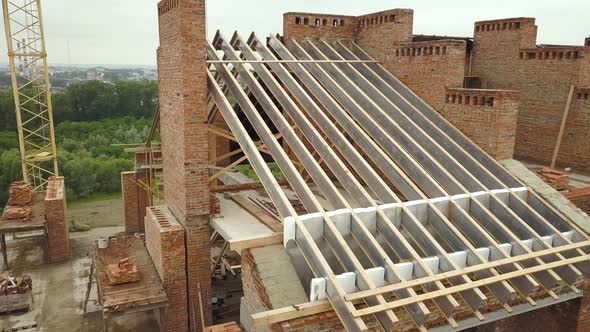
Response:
column 27, row 55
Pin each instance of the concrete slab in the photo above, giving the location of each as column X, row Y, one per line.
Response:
column 235, row 222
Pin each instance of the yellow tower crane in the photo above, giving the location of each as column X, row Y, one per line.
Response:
column 27, row 55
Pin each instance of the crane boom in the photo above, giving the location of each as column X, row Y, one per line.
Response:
column 27, row 55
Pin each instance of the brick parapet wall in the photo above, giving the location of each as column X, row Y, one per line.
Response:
column 299, row 25
column 488, row 117
column 429, row 67
column 164, row 239
column 379, row 38
column 58, row 236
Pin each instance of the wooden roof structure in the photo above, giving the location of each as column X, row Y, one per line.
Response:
column 439, row 219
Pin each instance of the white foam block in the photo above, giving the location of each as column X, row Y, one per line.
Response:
column 393, row 212
column 460, row 258
column 406, row 270
column 418, row 209
column 341, row 219
column 521, row 192
column 377, row 276
column 314, row 223
column 431, row 263
column 369, row 217
column 347, row 282
column 288, row 230
column 317, row 289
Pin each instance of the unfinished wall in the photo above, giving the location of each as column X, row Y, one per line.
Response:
column 380, row 32
column 183, row 129
column 135, row 200
column 505, row 56
column 298, row 25
column 488, row 117
column 429, row 67
column 58, row 235
column 164, row 239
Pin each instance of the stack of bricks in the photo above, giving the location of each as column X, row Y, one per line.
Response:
column 19, row 201
column 580, row 198
column 556, row 179
column 21, row 193
column 55, row 215
column 135, row 200
column 123, row 272
column 164, row 239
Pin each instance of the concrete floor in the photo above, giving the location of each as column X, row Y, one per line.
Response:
column 59, row 290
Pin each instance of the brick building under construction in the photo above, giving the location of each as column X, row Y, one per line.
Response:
column 399, row 206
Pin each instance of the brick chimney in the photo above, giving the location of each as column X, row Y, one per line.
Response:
column 183, row 128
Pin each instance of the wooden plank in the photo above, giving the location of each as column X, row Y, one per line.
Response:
column 256, row 241
column 257, row 212
column 562, row 127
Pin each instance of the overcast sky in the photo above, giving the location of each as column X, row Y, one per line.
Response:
column 126, row 32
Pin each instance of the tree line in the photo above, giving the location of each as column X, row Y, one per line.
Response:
column 90, row 118
column 91, row 101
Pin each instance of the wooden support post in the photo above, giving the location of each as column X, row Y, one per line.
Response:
column 562, row 128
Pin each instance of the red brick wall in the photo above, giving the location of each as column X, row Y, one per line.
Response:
column 505, row 56
column 429, row 67
column 164, row 239
column 380, row 32
column 496, row 47
column 58, row 241
column 135, row 200
column 298, row 25
column 488, row 117
column 183, row 130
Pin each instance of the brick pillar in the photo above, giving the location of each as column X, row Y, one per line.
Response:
column 164, row 239
column 135, row 201
column 183, row 129
column 58, row 241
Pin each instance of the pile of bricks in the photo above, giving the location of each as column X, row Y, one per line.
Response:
column 226, row 327
column 17, row 212
column 12, row 286
column 124, row 272
column 556, row 179
column 21, row 193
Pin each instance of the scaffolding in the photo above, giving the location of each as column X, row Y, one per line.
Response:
column 31, row 89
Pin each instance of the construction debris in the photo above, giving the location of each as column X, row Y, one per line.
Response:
column 123, row 272
column 21, row 193
column 12, row 286
column 556, row 179
column 15, row 294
